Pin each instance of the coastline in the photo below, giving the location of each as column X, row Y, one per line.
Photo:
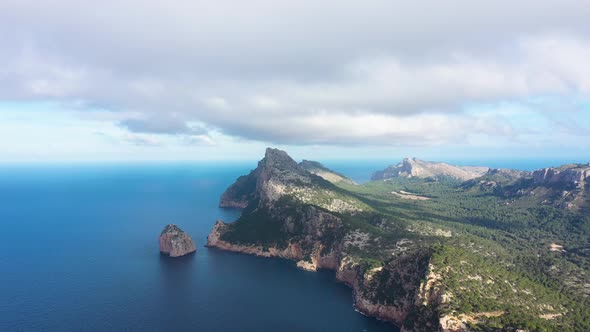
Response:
column 343, row 267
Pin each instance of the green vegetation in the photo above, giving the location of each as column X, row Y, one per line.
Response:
column 257, row 227
column 498, row 258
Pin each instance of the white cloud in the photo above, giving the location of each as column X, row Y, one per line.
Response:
column 376, row 72
column 142, row 140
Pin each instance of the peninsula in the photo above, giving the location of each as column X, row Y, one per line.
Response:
column 483, row 249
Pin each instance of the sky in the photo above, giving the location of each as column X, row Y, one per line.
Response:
column 222, row 80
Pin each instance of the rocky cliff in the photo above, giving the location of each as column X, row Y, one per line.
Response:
column 175, row 242
column 267, row 182
column 303, row 233
column 412, row 167
column 309, row 254
column 573, row 175
column 278, row 175
column 563, row 187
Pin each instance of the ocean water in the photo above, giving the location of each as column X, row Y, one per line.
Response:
column 79, row 251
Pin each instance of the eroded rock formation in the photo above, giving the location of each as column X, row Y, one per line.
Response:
column 175, row 242
column 573, row 175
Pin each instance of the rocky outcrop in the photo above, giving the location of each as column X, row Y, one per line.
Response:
column 564, row 187
column 175, row 242
column 267, row 182
column 278, row 175
column 363, row 286
column 569, row 175
column 412, row 167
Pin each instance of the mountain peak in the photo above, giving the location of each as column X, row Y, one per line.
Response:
column 278, row 163
column 275, row 153
column 278, row 175
column 275, row 171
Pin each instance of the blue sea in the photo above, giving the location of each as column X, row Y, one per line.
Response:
column 79, row 252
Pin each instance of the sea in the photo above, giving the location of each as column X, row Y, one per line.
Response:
column 79, row 252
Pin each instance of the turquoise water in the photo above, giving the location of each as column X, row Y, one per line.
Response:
column 80, row 252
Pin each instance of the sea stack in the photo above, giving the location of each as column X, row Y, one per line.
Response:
column 175, row 242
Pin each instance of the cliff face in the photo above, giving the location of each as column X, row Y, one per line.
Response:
column 310, row 235
column 309, row 254
column 412, row 167
column 563, row 187
column 572, row 175
column 175, row 242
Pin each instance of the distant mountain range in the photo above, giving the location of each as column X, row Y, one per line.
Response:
column 412, row 167
column 563, row 187
column 428, row 246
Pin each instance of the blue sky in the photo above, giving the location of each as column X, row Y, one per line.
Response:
column 137, row 80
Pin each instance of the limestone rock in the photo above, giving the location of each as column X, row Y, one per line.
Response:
column 265, row 183
column 573, row 175
column 278, row 175
column 175, row 242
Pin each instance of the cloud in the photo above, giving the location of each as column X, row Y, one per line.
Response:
column 171, row 126
column 142, row 140
column 306, row 72
column 198, row 140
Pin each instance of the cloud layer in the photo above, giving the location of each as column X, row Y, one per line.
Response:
column 373, row 72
